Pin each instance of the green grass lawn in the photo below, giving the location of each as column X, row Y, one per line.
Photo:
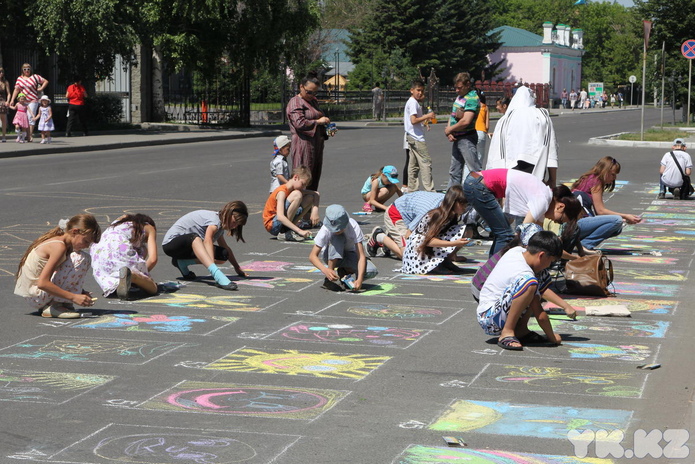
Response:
column 655, row 135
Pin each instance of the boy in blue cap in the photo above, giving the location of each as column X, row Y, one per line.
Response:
column 339, row 244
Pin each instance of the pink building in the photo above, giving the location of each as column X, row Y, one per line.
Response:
column 554, row 58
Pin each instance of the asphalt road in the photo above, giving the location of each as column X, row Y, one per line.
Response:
column 283, row 371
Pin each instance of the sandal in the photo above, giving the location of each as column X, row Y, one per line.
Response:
column 508, row 344
column 532, row 338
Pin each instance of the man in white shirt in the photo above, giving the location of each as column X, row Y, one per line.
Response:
column 671, row 176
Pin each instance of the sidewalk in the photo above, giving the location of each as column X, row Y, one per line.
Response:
column 149, row 135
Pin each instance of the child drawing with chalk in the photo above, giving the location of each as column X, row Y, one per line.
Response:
column 191, row 240
column 288, row 204
column 379, row 187
column 51, row 273
column 125, row 255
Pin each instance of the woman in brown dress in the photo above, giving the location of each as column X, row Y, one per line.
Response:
column 308, row 128
column 4, row 98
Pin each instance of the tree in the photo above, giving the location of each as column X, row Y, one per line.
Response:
column 436, row 33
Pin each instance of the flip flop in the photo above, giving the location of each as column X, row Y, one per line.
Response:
column 533, row 338
column 507, row 344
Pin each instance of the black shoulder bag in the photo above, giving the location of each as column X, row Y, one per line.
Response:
column 687, row 187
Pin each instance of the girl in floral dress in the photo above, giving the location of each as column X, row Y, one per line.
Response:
column 125, row 255
column 21, row 119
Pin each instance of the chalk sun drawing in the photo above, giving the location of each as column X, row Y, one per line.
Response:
column 303, row 363
column 46, row 387
column 188, row 300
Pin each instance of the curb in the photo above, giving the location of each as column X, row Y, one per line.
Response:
column 50, row 149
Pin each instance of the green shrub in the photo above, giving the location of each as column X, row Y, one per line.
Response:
column 105, row 108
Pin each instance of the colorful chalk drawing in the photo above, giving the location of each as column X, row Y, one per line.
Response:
column 158, row 323
column 665, row 275
column 671, row 215
column 438, row 279
column 89, row 350
column 647, row 289
column 669, row 222
column 246, row 400
column 265, row 266
column 649, row 238
column 657, row 260
column 617, row 352
column 418, row 454
column 295, row 284
column 559, row 380
column 529, row 420
column 302, row 363
column 243, row 303
column 670, row 208
column 173, row 445
column 46, row 387
column 389, row 337
column 650, row 306
column 425, row 313
column 386, row 289
column 607, row 327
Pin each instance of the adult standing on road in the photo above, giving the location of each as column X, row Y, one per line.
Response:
column 76, row 96
column 461, row 129
column 582, row 99
column 573, row 99
column 4, row 98
column 308, row 127
column 524, row 139
column 563, row 98
column 30, row 85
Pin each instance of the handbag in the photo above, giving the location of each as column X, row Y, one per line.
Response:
column 589, row 275
column 687, row 187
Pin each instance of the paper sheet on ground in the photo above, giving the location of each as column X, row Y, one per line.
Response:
column 608, row 310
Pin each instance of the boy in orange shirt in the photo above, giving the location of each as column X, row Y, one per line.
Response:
column 291, row 200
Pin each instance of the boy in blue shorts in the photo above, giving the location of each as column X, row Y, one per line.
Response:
column 511, row 293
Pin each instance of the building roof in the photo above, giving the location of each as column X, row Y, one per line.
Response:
column 335, row 47
column 515, row 37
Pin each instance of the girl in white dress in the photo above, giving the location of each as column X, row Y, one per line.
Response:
column 45, row 117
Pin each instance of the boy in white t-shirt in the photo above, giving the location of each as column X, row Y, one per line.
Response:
column 671, row 177
column 420, row 161
column 339, row 243
column 511, row 294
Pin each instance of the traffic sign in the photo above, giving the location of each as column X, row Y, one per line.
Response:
column 688, row 49
column 632, row 79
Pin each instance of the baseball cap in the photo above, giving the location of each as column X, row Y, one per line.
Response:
column 526, row 231
column 679, row 141
column 281, row 141
column 336, row 218
column 391, row 174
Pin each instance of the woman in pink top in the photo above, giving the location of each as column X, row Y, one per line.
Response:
column 30, row 85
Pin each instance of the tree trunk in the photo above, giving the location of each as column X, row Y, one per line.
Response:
column 158, row 109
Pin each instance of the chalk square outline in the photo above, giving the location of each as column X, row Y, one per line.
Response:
column 471, row 384
column 532, row 349
column 270, row 336
column 388, row 358
column 416, row 321
column 51, row 458
column 593, row 322
column 110, row 378
column 83, row 339
column 82, row 324
column 537, row 457
column 146, row 302
column 140, row 407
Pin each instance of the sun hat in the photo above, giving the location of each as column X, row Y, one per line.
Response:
column 391, row 174
column 336, row 218
column 679, row 141
column 45, row 97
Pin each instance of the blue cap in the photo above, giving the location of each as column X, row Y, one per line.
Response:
column 391, row 174
column 336, row 218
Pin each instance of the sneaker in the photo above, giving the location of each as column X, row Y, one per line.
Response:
column 372, row 245
column 43, row 141
column 367, row 208
column 61, row 311
column 304, row 224
column 124, row 280
column 333, row 286
column 676, row 193
column 292, row 236
column 229, row 286
column 188, row 277
column 661, row 196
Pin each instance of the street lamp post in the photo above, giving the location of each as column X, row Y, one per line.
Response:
column 337, row 76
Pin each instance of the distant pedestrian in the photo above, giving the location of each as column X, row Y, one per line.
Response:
column 308, row 127
column 77, row 109
column 671, row 173
column 52, row 271
column 573, row 99
column 377, row 102
column 45, row 117
column 4, row 99
column 563, row 98
column 461, row 129
column 502, row 104
column 420, row 164
column 583, row 97
column 482, row 127
column 31, row 85
column 22, row 118
column 279, row 169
